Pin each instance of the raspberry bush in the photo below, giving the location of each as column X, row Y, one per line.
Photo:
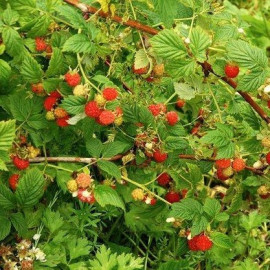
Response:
column 134, row 134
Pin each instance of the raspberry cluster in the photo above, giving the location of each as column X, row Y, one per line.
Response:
column 199, row 242
column 138, row 194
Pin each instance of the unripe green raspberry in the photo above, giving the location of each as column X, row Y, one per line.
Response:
column 118, row 121
column 100, row 100
column 80, row 90
column 72, row 185
column 137, row 194
column 50, row 116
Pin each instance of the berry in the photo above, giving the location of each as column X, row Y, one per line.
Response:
column 239, row 164
column 110, row 93
column 55, row 94
column 73, row 78
column 268, row 158
column 231, row 70
column 153, row 201
column 192, row 243
column 158, row 70
column 80, row 91
column 100, row 100
column 223, row 163
column 204, row 243
column 72, row 185
column 21, row 164
column 150, row 200
column 137, row 194
column 23, row 139
column 33, row 152
column 228, row 172
column 140, row 71
column 84, row 180
column 41, row 44
column 60, row 113
column 13, row 181
column 38, row 89
column 106, row 118
column 157, row 109
column 118, row 111
column 49, row 103
column 264, row 192
column 180, row 103
column 172, row 118
column 266, row 142
column 173, row 197
column 160, row 156
column 184, row 192
column 92, row 110
column 86, row 196
column 62, row 122
column 50, row 116
column 221, row 176
column 164, row 179
column 119, row 121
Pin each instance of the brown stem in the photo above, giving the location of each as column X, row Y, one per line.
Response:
column 206, row 66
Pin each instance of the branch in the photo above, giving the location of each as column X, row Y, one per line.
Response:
column 206, row 66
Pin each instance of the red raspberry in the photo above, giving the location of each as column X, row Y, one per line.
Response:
column 268, row 158
column 150, row 79
column 118, row 111
column 110, row 93
column 220, row 175
column 55, row 94
column 173, row 197
column 195, row 130
column 204, row 243
column 172, row 118
column 73, row 78
column 160, row 156
column 180, row 103
column 153, row 201
column 41, row 44
column 92, row 110
column 85, row 196
column 37, row 88
column 231, row 70
column 239, row 164
column 62, row 122
column 156, row 109
column 106, row 118
column 164, row 179
column 223, row 163
column 49, row 103
column 192, row 243
column 184, row 193
column 140, row 71
column 21, row 164
column 13, row 181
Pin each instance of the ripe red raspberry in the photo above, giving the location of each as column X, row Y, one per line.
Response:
column 223, row 163
column 140, row 71
column 239, row 164
column 60, row 113
column 21, row 164
column 157, row 109
column 110, row 93
column 106, row 118
column 41, row 44
column 153, row 201
column 13, row 181
column 73, row 78
column 231, row 70
column 204, row 243
column 92, row 110
column 192, row 243
column 173, row 197
column 220, row 175
column 164, row 179
column 62, row 122
column 180, row 103
column 160, row 156
column 49, row 103
column 86, row 196
column 172, row 118
column 184, row 193
column 55, row 94
column 37, row 88
column 268, row 158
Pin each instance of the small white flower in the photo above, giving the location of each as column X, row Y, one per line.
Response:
column 75, row 194
column 170, row 220
column 148, row 200
column 39, row 254
column 36, row 236
column 266, row 89
column 187, row 40
column 241, row 30
column 189, row 236
column 258, row 165
column 86, row 193
column 82, row 7
column 149, row 146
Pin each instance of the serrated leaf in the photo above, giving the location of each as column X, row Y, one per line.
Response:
column 19, row 223
column 105, row 195
column 199, row 225
column 31, row 70
column 57, row 64
column 184, row 91
column 5, row 72
column 252, row 81
column 73, row 104
column 168, row 45
column 7, row 134
column 10, row 16
column 179, row 69
column 114, row 148
column 5, row 227
column 94, row 147
column 141, row 59
column 221, row 240
column 7, row 198
column 30, row 188
column 40, row 27
column 211, row 207
column 78, row 43
column 78, row 247
column 110, row 168
column 52, row 220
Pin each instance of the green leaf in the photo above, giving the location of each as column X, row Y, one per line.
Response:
column 199, row 224
column 253, row 80
column 186, row 209
column 5, row 72
column 73, row 104
column 19, row 223
column 252, row 221
column 114, row 148
column 5, row 227
column 78, row 43
column 7, row 198
column 94, row 147
column 78, row 247
column 141, row 59
column 57, row 64
column 168, row 45
column 52, row 220
column 179, row 69
column 30, row 188
column 10, row 16
column 221, row 240
column 110, row 168
column 105, row 195
column 31, row 70
column 222, row 216
column 199, row 42
column 40, row 27
column 211, row 207
column 184, row 91
column 7, row 134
